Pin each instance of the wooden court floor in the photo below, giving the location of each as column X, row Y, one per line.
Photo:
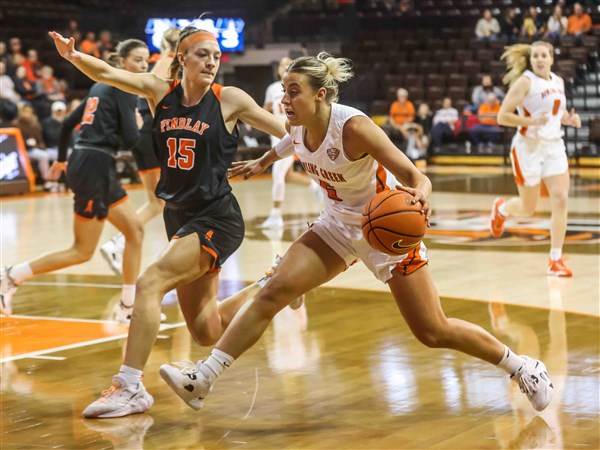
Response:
column 345, row 371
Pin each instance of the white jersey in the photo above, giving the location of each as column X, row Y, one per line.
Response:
column 349, row 184
column 545, row 96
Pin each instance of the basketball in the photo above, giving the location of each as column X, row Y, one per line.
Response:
column 391, row 224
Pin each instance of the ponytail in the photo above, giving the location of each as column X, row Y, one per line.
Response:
column 517, row 60
column 324, row 71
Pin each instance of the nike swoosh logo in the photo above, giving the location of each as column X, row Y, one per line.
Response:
column 399, row 246
column 165, row 107
column 296, row 142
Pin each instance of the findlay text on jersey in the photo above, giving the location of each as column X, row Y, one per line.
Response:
column 183, row 123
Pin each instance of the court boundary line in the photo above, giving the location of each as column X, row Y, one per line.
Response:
column 36, row 354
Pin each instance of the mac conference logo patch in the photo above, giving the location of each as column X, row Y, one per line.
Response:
column 333, row 153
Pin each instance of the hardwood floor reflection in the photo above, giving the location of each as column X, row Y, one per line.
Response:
column 345, row 372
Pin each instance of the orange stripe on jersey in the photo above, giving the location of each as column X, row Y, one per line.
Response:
column 174, row 84
column 157, row 169
column 523, row 130
column 519, row 178
column 216, row 88
column 381, row 179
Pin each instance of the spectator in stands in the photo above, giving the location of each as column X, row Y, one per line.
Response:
column 557, row 24
column 417, row 133
column 72, row 28
column 487, row 27
column 89, row 46
column 105, row 42
column 402, row 111
column 4, row 57
column 7, row 86
column 49, row 85
column 31, row 130
column 487, row 132
column 405, row 7
column 15, row 51
column 579, row 22
column 510, row 25
column 481, row 92
column 443, row 123
column 462, row 128
column 32, row 65
column 534, row 24
column 51, row 127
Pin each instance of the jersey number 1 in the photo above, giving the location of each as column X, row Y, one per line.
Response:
column 181, row 155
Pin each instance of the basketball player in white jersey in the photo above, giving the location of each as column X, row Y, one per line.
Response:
column 283, row 169
column 353, row 158
column 538, row 151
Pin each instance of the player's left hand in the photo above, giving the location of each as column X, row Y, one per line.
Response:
column 419, row 196
column 574, row 120
column 66, row 47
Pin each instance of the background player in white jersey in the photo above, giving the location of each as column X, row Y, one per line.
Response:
column 283, row 169
column 346, row 151
column 538, row 151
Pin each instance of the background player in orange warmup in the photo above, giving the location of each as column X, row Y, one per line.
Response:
column 196, row 139
column 341, row 147
column 538, row 151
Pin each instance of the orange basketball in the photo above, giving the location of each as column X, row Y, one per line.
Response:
column 391, row 224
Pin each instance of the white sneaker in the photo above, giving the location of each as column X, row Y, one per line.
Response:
column 269, row 273
column 122, row 313
column 534, row 382
column 8, row 287
column 273, row 221
column 113, row 254
column 121, row 399
column 188, row 382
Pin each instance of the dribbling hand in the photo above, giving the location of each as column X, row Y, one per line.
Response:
column 65, row 47
column 56, row 169
column 419, row 196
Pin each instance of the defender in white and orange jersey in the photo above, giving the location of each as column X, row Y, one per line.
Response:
column 538, row 151
column 345, row 152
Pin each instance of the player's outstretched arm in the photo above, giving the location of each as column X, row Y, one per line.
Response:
column 143, row 84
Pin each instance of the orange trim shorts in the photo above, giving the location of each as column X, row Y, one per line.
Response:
column 219, row 225
column 535, row 159
column 92, row 176
column 348, row 242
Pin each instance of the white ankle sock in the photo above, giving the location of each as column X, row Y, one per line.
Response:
column 130, row 375
column 502, row 210
column 510, row 362
column 216, row 364
column 21, row 272
column 128, row 294
column 555, row 254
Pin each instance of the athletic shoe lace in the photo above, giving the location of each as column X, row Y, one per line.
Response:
column 111, row 390
column 527, row 385
column 187, row 367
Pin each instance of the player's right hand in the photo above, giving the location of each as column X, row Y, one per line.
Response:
column 56, row 169
column 65, row 47
column 540, row 120
column 246, row 169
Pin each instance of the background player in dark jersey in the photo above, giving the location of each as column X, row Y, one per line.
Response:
column 108, row 123
column 195, row 137
column 145, row 157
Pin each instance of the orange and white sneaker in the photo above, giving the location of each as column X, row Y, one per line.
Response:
column 497, row 219
column 121, row 399
column 557, row 268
